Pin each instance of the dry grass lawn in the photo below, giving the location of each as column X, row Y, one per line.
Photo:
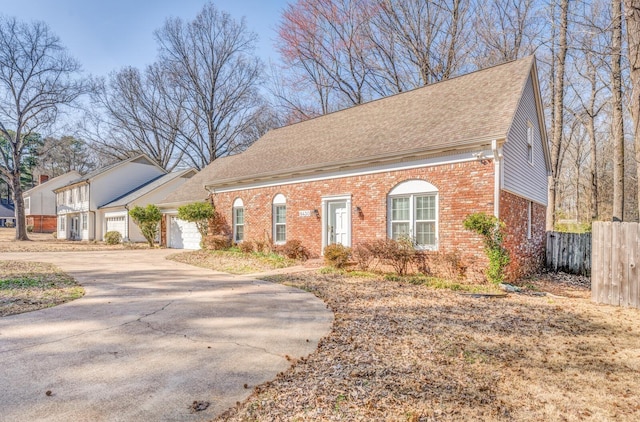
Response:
column 234, row 262
column 45, row 242
column 29, row 286
column 405, row 352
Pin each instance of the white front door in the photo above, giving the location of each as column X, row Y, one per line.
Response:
column 338, row 223
column 74, row 232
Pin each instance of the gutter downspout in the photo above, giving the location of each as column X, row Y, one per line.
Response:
column 126, row 223
column 497, row 161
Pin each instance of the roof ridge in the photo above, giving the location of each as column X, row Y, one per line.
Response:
column 375, row 100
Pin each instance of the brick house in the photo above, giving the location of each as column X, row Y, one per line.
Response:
column 415, row 163
column 40, row 202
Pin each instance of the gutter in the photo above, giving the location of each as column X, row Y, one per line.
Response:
column 348, row 164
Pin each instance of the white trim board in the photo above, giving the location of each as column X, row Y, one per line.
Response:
column 427, row 162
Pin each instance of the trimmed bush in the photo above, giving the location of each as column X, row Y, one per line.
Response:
column 148, row 220
column 216, row 242
column 246, row 246
column 30, row 228
column 337, row 255
column 9, row 224
column 363, row 255
column 112, row 238
column 199, row 213
column 294, row 249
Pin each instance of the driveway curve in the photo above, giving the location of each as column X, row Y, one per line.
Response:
column 149, row 338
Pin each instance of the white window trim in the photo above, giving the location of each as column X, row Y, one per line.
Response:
column 237, row 204
column 279, row 201
column 410, row 189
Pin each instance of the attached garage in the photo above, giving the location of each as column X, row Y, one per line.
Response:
column 183, row 234
column 117, row 224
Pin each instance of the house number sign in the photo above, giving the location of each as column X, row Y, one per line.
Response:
column 304, row 213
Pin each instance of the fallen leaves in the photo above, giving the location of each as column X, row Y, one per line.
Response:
column 399, row 351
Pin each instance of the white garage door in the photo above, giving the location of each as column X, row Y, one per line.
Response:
column 183, row 234
column 116, row 224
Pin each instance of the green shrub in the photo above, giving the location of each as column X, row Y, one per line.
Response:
column 112, row 238
column 9, row 224
column 147, row 220
column 337, row 255
column 294, row 249
column 198, row 213
column 30, row 228
column 492, row 231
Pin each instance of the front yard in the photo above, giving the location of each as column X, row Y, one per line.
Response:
column 45, row 242
column 29, row 286
column 405, row 352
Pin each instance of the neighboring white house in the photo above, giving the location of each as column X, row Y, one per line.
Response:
column 79, row 201
column 115, row 214
column 177, row 233
column 40, row 203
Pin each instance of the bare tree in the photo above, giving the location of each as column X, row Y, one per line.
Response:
column 506, row 30
column 141, row 113
column 36, row 79
column 558, row 112
column 632, row 12
column 61, row 155
column 212, row 62
column 429, row 38
column 617, row 124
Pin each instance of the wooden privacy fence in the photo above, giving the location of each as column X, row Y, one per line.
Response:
column 616, row 257
column 569, row 252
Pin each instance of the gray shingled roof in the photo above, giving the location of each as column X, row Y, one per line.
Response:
column 193, row 189
column 7, row 211
column 448, row 115
column 50, row 182
column 140, row 191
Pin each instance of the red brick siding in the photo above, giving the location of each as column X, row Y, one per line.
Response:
column 43, row 223
column 463, row 188
column 526, row 254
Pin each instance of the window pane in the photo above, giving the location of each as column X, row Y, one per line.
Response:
column 400, row 209
column 239, row 215
column 426, row 234
column 281, row 233
column 399, row 230
column 239, row 233
column 425, row 207
column 281, row 214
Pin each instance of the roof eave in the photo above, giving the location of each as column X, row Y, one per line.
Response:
column 360, row 163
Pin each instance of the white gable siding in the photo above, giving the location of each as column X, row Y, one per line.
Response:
column 521, row 177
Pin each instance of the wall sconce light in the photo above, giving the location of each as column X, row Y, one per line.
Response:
column 359, row 211
column 480, row 157
column 316, row 213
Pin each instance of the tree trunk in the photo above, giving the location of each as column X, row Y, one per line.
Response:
column 617, row 128
column 632, row 10
column 21, row 222
column 558, row 109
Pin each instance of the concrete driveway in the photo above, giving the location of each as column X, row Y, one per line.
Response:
column 150, row 337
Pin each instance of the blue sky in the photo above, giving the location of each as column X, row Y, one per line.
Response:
column 109, row 34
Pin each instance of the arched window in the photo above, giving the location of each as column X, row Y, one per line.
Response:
column 413, row 213
column 238, row 220
column 279, row 219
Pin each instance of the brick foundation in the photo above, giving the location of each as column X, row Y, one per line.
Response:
column 42, row 223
